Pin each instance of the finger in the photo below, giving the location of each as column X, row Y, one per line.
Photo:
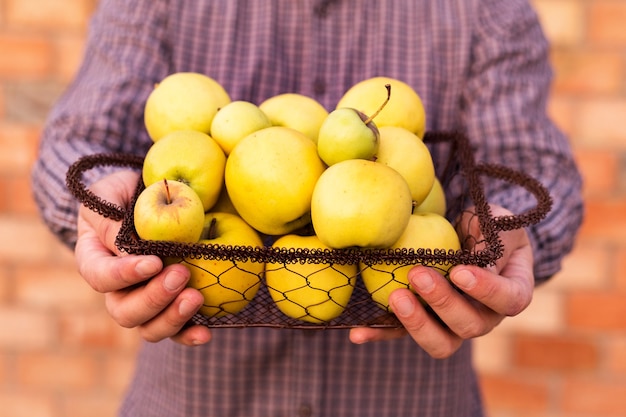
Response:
column 422, row 326
column 118, row 189
column 505, row 295
column 171, row 320
column 107, row 273
column 193, row 336
column 360, row 335
column 92, row 225
column 507, row 287
column 464, row 317
column 136, row 306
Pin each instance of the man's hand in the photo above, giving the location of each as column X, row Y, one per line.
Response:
column 138, row 291
column 486, row 297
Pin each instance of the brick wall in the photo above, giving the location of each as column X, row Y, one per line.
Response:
column 60, row 354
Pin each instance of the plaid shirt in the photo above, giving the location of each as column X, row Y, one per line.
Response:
column 479, row 65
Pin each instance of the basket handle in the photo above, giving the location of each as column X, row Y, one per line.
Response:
column 541, row 194
column 74, row 181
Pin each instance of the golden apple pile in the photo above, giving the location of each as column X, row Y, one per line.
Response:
column 228, row 172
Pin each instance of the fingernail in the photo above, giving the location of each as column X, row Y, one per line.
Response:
column 174, row 281
column 186, row 308
column 464, row 279
column 403, row 306
column 422, row 282
column 147, row 268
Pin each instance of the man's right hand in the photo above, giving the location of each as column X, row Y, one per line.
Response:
column 138, row 291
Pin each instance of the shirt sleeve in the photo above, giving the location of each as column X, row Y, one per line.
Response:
column 504, row 110
column 102, row 110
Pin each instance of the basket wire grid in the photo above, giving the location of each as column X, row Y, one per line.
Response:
column 260, row 309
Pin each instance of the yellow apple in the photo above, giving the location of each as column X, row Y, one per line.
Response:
column 223, row 204
column 310, row 292
column 405, row 107
column 348, row 133
column 425, row 230
column 360, row 203
column 270, row 176
column 435, row 201
column 169, row 210
column 235, row 121
column 345, row 135
column 406, row 153
column 228, row 286
column 183, row 101
column 296, row 111
column 191, row 157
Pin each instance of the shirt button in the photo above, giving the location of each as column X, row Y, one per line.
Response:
column 305, row 410
column 319, row 86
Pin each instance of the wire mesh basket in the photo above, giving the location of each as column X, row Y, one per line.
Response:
column 257, row 302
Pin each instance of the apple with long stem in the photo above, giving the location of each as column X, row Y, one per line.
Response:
column 348, row 133
column 169, row 210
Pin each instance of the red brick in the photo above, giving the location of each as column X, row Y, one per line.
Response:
column 2, row 102
column 595, row 397
column 597, row 311
column 604, row 221
column 48, row 14
column 6, row 283
column 58, row 371
column 16, row 195
column 5, row 359
column 50, row 287
column 600, row 171
column 27, row 404
column 119, row 371
column 599, row 123
column 95, row 329
column 562, row 110
column 506, row 392
column 492, row 352
column 606, row 22
column 615, row 355
column 543, row 315
column 41, row 327
column 70, row 51
column 19, row 235
column 25, row 57
column 587, row 72
column 18, row 143
column 555, row 352
column 562, row 20
column 588, row 267
column 620, row 270
column 92, row 405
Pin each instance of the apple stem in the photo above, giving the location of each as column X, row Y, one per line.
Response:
column 167, row 192
column 213, row 229
column 369, row 119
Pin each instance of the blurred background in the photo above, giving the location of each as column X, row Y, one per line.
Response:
column 61, row 355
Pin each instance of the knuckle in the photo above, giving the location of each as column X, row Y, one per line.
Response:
column 473, row 328
column 441, row 301
column 117, row 314
column 519, row 302
column 445, row 350
column 148, row 336
column 153, row 301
